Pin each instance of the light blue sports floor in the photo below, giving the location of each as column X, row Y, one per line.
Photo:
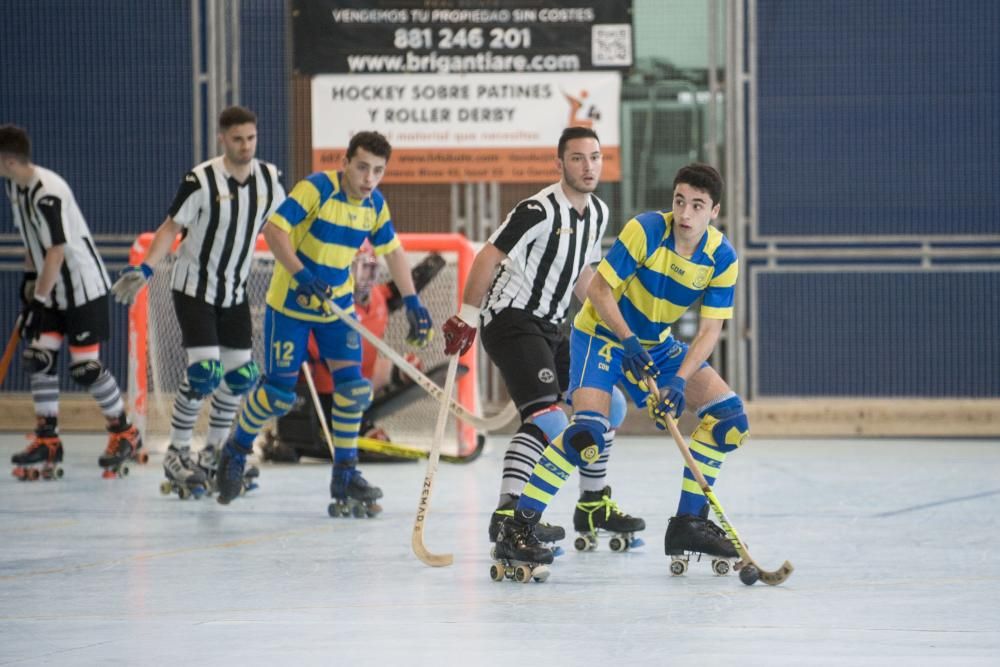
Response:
column 894, row 543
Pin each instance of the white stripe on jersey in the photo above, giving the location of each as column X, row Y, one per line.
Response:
column 547, row 244
column 221, row 219
column 46, row 214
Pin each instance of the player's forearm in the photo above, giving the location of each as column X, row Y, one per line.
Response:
column 399, row 269
column 583, row 282
column 50, row 271
column 701, row 347
column 281, row 247
column 163, row 242
column 602, row 297
column 481, row 274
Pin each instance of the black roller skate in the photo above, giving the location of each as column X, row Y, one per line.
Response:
column 124, row 445
column 545, row 532
column 519, row 554
column 232, row 477
column 184, row 476
column 208, row 464
column 42, row 457
column 596, row 513
column 351, row 493
column 690, row 535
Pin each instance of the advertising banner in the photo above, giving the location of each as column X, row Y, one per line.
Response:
column 458, row 36
column 447, row 128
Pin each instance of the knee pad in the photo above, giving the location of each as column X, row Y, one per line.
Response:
column 583, row 439
column 619, row 408
column 352, row 395
column 727, row 423
column 40, row 360
column 242, row 379
column 551, row 420
column 273, row 400
column 203, row 377
column 86, row 371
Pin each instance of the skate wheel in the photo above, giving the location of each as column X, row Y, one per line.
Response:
column 142, row 457
column 540, row 573
column 497, row 572
column 108, row 473
column 59, row 473
column 617, row 544
column 165, row 488
column 358, row 511
column 720, row 567
column 678, row 567
column 183, row 493
column 332, row 510
column 581, row 543
column 522, row 574
column 123, row 471
column 33, row 474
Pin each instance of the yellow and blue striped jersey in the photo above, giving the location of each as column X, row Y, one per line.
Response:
column 326, row 228
column 654, row 285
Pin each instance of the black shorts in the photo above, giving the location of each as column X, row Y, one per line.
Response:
column 532, row 355
column 205, row 325
column 88, row 324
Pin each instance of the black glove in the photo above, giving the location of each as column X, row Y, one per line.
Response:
column 31, row 320
column 28, row 286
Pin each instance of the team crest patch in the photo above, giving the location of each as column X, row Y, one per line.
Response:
column 546, row 375
column 353, row 340
column 701, row 280
column 590, row 454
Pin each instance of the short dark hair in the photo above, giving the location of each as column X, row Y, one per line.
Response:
column 14, row 141
column 371, row 141
column 235, row 115
column 701, row 177
column 571, row 133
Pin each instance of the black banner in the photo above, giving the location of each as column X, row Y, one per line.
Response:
column 458, row 36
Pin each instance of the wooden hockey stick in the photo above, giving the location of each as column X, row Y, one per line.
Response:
column 746, row 561
column 480, row 423
column 8, row 353
column 319, row 408
column 417, row 540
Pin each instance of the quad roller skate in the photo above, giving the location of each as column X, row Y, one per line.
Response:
column 690, row 535
column 208, row 464
column 519, row 554
column 545, row 532
column 41, row 459
column 596, row 513
column 184, row 476
column 232, row 477
column 124, row 445
column 351, row 493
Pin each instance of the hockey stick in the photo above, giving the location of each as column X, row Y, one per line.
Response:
column 8, row 353
column 480, row 423
column 746, row 561
column 319, row 408
column 416, row 453
column 417, row 540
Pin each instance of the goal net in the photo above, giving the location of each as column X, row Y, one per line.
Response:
column 157, row 361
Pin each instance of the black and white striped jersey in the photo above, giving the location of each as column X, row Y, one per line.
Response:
column 547, row 244
column 221, row 219
column 46, row 214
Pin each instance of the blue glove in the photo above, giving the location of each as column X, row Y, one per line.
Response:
column 311, row 292
column 637, row 363
column 670, row 402
column 421, row 327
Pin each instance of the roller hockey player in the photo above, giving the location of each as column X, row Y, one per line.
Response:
column 65, row 297
column 314, row 236
column 621, row 333
column 524, row 279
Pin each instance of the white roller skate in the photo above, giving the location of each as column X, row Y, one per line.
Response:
column 183, row 476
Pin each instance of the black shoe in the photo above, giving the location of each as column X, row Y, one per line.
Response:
column 687, row 532
column 229, row 475
column 596, row 511
column 517, row 541
column 545, row 532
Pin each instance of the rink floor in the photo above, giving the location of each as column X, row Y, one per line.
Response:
column 894, row 543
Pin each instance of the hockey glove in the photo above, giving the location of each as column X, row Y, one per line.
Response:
column 130, row 281
column 637, row 363
column 670, row 403
column 421, row 331
column 311, row 292
column 460, row 330
column 28, row 286
column 31, row 319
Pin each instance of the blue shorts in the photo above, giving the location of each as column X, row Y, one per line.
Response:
column 286, row 342
column 596, row 363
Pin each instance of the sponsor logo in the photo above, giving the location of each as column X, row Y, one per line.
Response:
column 83, row 335
column 532, row 205
column 564, row 230
column 546, row 375
column 676, row 269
